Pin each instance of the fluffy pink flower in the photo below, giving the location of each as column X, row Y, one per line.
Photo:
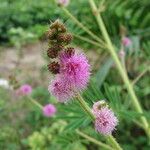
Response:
column 25, row 89
column 75, row 69
column 49, row 110
column 61, row 89
column 105, row 121
column 126, row 41
column 63, row 2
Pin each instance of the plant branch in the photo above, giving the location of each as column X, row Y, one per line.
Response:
column 85, row 107
column 93, row 140
column 122, row 72
column 113, row 142
column 89, row 41
column 35, row 102
column 82, row 26
column 139, row 76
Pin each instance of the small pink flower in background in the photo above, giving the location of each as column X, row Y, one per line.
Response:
column 106, row 121
column 126, row 41
column 121, row 53
column 63, row 2
column 61, row 89
column 25, row 89
column 49, row 110
column 76, row 70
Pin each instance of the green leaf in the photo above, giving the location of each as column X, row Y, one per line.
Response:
column 103, row 72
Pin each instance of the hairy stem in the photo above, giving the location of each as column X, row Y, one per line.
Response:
column 84, row 106
column 89, row 41
column 113, row 142
column 93, row 140
column 35, row 102
column 122, row 72
column 139, row 76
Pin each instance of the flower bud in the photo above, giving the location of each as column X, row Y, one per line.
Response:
column 126, row 41
column 63, row 2
column 121, row 53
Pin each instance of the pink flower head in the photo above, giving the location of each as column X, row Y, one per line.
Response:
column 98, row 105
column 25, row 89
column 126, row 41
column 121, row 53
column 61, row 89
column 49, row 110
column 105, row 121
column 75, row 69
column 63, row 2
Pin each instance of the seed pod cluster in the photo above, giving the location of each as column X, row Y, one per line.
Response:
column 58, row 39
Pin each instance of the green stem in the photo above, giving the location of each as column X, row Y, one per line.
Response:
column 140, row 75
column 91, row 139
column 89, row 41
column 113, row 142
column 111, row 49
column 87, row 109
column 35, row 102
column 123, row 64
column 82, row 26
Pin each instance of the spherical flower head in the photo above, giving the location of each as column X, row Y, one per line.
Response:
column 63, row 2
column 75, row 69
column 61, row 89
column 105, row 121
column 126, row 41
column 49, row 110
column 25, row 89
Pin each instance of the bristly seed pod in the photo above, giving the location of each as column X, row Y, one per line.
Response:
column 65, row 38
column 60, row 27
column 70, row 51
column 58, row 47
column 54, row 67
column 55, row 24
column 52, row 53
column 51, row 34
